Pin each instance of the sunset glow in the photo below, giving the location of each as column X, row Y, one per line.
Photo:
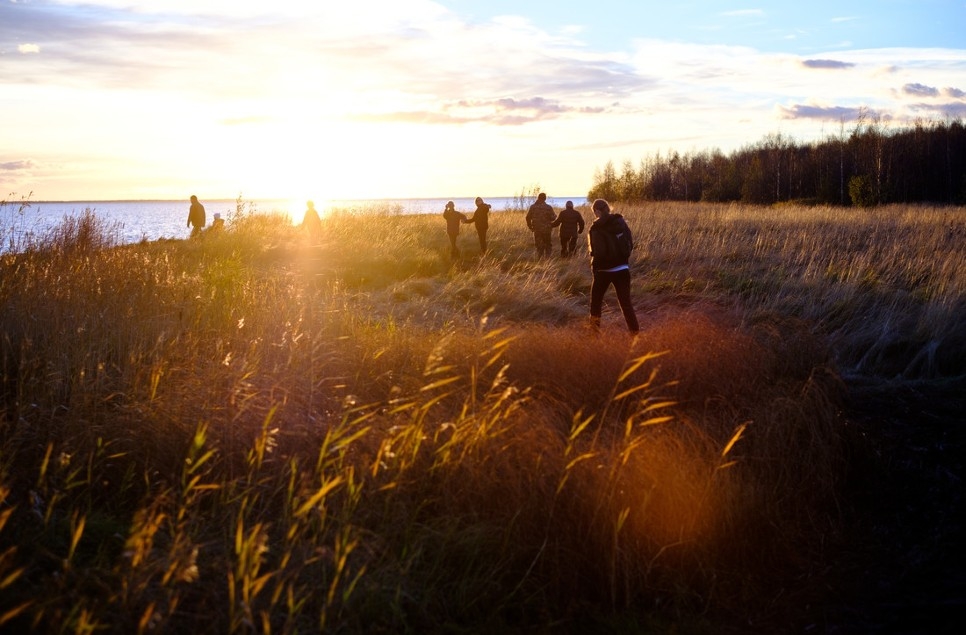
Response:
column 411, row 98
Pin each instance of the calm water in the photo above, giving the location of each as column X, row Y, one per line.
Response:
column 133, row 221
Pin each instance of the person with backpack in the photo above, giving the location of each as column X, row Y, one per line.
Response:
column 610, row 242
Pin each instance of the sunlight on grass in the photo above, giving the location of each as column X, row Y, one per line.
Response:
column 250, row 432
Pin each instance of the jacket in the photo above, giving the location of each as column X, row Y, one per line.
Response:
column 604, row 251
column 540, row 217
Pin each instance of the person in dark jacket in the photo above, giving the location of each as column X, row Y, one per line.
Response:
column 196, row 217
column 453, row 220
column 610, row 264
column 481, row 218
column 540, row 218
column 571, row 223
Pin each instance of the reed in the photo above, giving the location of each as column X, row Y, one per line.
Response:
column 250, row 432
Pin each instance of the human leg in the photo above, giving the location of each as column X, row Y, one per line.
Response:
column 622, row 285
column 597, row 290
column 453, row 249
column 544, row 243
column 571, row 244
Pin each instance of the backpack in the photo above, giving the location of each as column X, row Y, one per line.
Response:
column 614, row 248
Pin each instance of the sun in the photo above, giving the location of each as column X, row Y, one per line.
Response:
column 297, row 206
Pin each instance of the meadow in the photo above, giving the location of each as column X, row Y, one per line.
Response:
column 253, row 433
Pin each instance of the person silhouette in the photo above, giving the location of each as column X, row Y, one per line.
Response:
column 453, row 221
column 540, row 219
column 610, row 243
column 571, row 223
column 196, row 217
column 481, row 218
column 311, row 222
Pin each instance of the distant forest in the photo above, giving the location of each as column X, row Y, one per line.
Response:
column 867, row 166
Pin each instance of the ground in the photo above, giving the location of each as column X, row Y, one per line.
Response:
column 904, row 569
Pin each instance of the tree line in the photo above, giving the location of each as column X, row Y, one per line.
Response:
column 866, row 166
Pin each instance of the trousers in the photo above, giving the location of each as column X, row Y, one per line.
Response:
column 622, row 285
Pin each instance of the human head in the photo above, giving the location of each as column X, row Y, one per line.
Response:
column 601, row 207
column 478, row 200
column 194, row 199
column 450, row 205
column 217, row 216
column 310, row 204
column 570, row 204
column 541, row 197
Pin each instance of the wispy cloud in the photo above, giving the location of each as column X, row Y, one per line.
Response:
column 824, row 113
column 920, row 90
column 950, row 110
column 12, row 166
column 829, row 64
column 499, row 112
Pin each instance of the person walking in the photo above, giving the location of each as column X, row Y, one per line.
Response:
column 312, row 222
column 571, row 223
column 196, row 217
column 480, row 218
column 540, row 219
column 453, row 220
column 610, row 244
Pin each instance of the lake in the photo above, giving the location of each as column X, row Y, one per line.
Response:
column 150, row 220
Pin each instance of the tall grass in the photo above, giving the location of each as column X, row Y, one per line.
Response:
column 251, row 433
column 886, row 284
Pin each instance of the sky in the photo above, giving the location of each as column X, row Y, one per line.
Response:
column 348, row 99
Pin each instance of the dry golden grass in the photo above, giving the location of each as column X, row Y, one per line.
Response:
column 253, row 433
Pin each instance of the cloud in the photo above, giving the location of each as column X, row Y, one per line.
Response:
column 310, row 51
column 505, row 111
column 831, row 64
column 920, row 90
column 13, row 166
column 825, row 113
column 954, row 92
column 950, row 110
column 26, row 49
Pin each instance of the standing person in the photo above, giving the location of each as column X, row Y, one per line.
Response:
column 571, row 223
column 540, row 219
column 196, row 217
column 311, row 222
column 453, row 220
column 610, row 243
column 481, row 218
